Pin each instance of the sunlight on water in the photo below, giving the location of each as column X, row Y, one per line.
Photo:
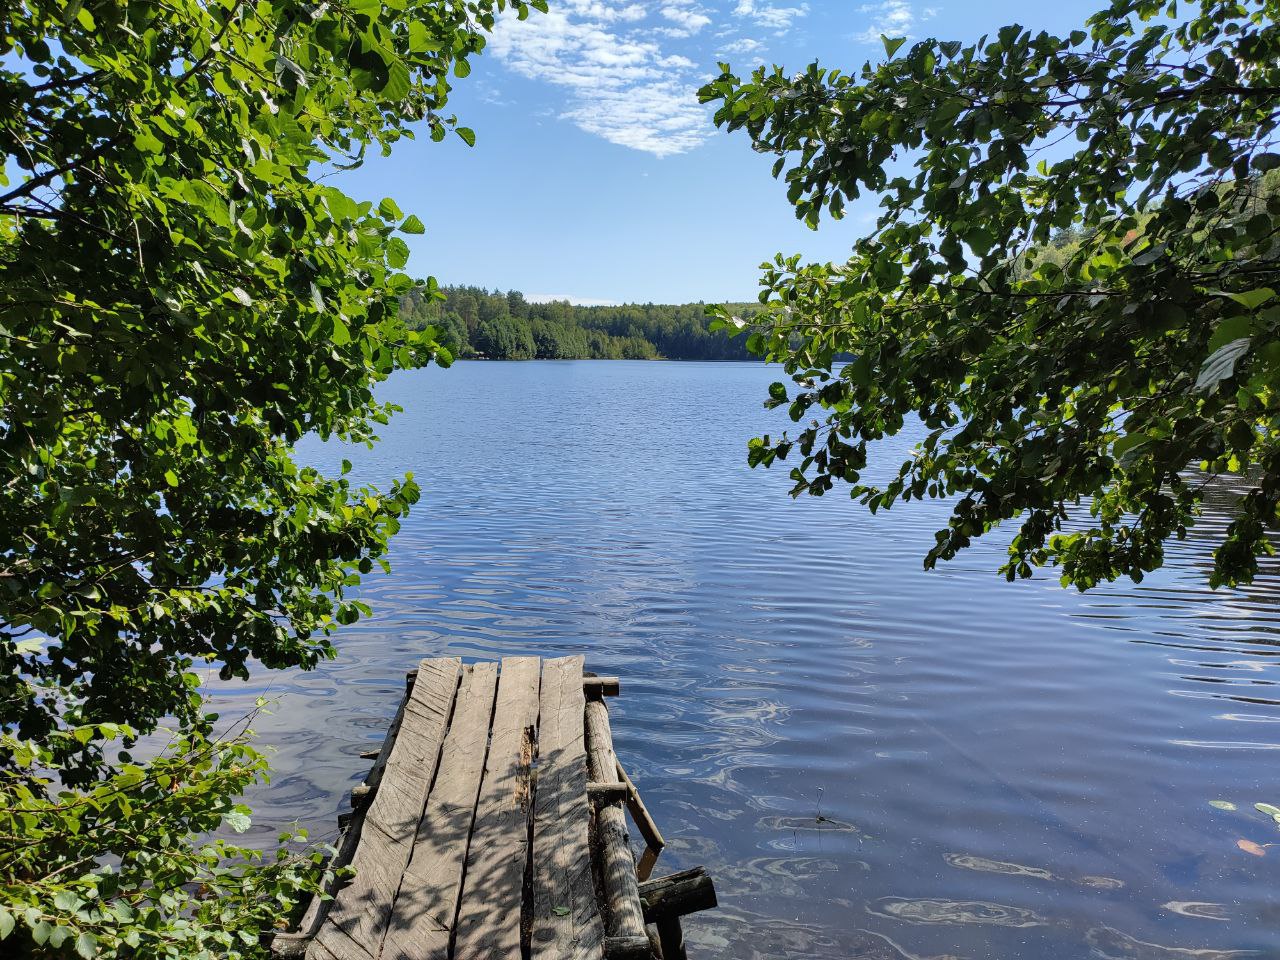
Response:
column 871, row 760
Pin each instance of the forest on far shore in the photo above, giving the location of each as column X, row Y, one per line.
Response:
column 505, row 326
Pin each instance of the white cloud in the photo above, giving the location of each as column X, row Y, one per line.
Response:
column 742, row 45
column 769, row 16
column 687, row 20
column 892, row 18
column 600, row 11
column 621, row 84
column 575, row 300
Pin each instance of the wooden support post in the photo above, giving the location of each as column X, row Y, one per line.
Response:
column 361, row 794
column 289, row 946
column 655, row 941
column 624, row 916
column 601, row 686
column 671, row 939
column 677, row 895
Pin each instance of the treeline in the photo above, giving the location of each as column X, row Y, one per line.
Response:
column 505, row 326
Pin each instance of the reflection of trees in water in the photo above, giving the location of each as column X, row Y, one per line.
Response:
column 1221, row 497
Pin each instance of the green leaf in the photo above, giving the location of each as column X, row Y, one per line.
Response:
column 1220, row 365
column 398, row 84
column 891, row 44
column 420, row 40
column 341, row 332
column 468, row 135
column 980, row 241
column 412, row 225
column 397, row 253
column 1252, row 299
column 86, row 945
column 1128, row 442
column 1232, row 328
column 6, row 923
column 237, row 821
column 561, row 911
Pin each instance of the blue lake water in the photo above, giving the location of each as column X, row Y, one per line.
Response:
column 872, row 760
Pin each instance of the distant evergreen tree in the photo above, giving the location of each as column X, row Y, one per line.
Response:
column 471, row 321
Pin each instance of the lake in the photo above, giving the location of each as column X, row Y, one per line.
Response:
column 872, row 760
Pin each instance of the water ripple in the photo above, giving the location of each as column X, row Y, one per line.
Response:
column 808, row 712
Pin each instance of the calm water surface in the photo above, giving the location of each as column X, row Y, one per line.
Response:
column 872, row 760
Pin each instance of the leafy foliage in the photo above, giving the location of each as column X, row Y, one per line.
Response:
column 115, row 870
column 504, row 326
column 1072, row 283
column 183, row 298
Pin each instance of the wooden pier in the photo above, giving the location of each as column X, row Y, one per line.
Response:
column 493, row 824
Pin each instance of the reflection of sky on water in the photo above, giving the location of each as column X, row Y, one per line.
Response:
column 872, row 760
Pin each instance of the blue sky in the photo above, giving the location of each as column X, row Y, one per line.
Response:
column 596, row 176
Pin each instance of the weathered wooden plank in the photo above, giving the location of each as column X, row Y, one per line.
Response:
column 566, row 917
column 623, row 919
column 293, row 945
column 355, row 924
column 493, row 889
column 426, row 905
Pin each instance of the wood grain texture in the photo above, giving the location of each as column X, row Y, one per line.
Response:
column 358, row 918
column 566, row 916
column 623, row 918
column 493, row 891
column 426, row 906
